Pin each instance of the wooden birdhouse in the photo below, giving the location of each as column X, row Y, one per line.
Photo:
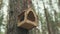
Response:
column 27, row 19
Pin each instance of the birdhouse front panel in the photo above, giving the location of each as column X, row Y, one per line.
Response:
column 27, row 19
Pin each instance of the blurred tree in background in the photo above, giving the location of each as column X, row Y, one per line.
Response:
column 49, row 16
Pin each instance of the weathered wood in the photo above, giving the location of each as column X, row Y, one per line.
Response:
column 27, row 19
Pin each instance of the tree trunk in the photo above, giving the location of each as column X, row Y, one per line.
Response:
column 16, row 7
column 48, row 20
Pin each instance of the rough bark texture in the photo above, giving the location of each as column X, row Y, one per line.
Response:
column 16, row 7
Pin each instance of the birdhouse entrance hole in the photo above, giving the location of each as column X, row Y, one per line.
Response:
column 21, row 17
column 31, row 16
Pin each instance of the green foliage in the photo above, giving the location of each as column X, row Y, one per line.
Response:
column 52, row 18
column 1, row 19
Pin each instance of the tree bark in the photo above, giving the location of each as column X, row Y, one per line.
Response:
column 16, row 7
